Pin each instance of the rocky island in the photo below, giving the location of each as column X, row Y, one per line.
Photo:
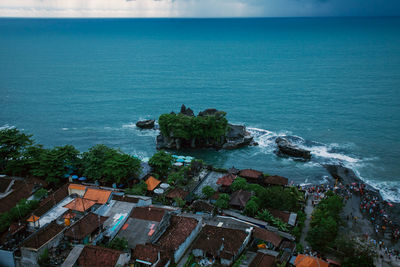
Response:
column 209, row 129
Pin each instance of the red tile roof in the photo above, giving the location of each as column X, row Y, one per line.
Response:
column 240, row 198
column 148, row 213
column 43, row 235
column 94, row 256
column 308, row 261
column 152, row 183
column 177, row 192
column 212, row 238
column 80, row 204
column 251, row 174
column 276, row 180
column 147, row 252
column 267, row 235
column 226, row 180
column 263, row 260
column 85, row 226
column 179, row 229
column 98, row 195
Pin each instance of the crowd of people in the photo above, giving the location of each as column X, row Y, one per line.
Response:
column 376, row 210
column 371, row 206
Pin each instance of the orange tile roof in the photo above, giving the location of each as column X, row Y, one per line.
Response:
column 308, row 261
column 80, row 204
column 77, row 187
column 152, row 183
column 98, row 195
column 33, row 218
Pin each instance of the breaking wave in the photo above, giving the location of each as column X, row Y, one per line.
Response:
column 325, row 154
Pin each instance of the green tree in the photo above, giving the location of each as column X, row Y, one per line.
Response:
column 325, row 222
column 120, row 167
column 176, row 178
column 117, row 243
column 180, row 202
column 114, row 166
column 187, row 127
column 208, row 191
column 251, row 207
column 94, row 161
column 239, row 183
column 265, row 215
column 161, row 162
column 138, row 189
column 22, row 209
column 222, row 201
column 12, row 146
column 53, row 163
column 41, row 193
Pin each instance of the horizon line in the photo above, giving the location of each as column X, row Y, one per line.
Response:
column 227, row 17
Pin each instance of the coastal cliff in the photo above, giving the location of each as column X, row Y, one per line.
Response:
column 209, row 129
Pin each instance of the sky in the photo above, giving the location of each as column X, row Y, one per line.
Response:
column 197, row 8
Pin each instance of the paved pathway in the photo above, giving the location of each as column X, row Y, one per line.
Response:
column 308, row 210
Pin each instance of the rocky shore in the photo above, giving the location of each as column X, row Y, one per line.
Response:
column 347, row 176
column 235, row 136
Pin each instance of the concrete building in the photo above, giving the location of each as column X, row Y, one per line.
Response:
column 46, row 238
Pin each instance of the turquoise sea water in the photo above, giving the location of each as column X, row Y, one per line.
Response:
column 334, row 83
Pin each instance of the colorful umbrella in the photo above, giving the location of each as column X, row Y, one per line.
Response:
column 74, row 176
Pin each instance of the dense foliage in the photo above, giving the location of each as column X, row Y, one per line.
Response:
column 325, row 222
column 12, row 146
column 117, row 243
column 223, row 201
column 208, row 191
column 188, row 127
column 161, row 162
column 354, row 254
column 22, row 209
column 276, row 197
column 51, row 164
column 265, row 215
column 20, row 156
column 138, row 189
column 110, row 165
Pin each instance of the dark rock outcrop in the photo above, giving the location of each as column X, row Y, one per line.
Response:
column 208, row 112
column 186, row 111
column 236, row 136
column 286, row 148
column 146, row 124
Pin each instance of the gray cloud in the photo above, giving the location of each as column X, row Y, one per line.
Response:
column 197, row 8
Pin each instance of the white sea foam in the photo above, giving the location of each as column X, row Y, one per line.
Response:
column 323, row 152
column 6, row 126
column 131, row 126
column 65, row 129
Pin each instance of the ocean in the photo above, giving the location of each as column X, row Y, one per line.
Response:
column 331, row 84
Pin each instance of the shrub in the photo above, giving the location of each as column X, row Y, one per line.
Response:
column 161, row 162
column 138, row 189
column 222, row 201
column 208, row 191
column 117, row 243
column 239, row 183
